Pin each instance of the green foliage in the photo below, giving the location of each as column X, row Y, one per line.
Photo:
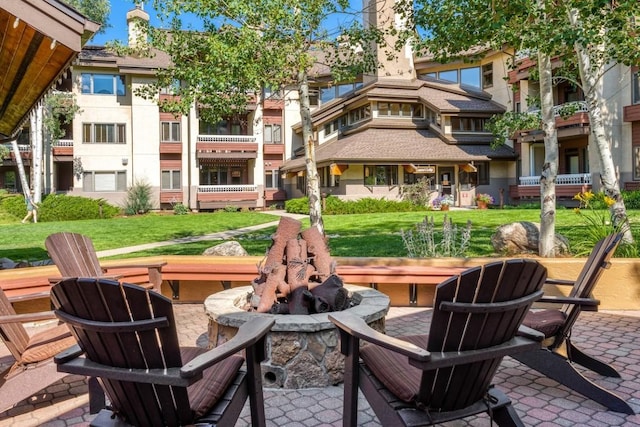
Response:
column 504, row 126
column 231, row 208
column 180, row 209
column 96, row 10
column 418, row 193
column 60, row 207
column 336, row 206
column 14, row 205
column 138, row 199
column 4, row 152
column 631, row 199
column 60, row 108
column 427, row 241
column 593, row 211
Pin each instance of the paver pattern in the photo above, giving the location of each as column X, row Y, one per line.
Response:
column 613, row 336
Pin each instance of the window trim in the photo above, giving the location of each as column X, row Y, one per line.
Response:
column 178, row 133
column 115, row 87
column 119, row 129
column 370, row 171
column 120, row 183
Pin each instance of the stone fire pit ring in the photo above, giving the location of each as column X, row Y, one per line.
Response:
column 302, row 350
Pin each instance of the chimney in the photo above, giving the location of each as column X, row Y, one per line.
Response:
column 136, row 19
column 382, row 15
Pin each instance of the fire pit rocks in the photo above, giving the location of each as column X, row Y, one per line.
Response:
column 302, row 350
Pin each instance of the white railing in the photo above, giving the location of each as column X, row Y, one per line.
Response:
column 64, row 143
column 568, row 179
column 227, row 138
column 227, row 188
column 580, row 107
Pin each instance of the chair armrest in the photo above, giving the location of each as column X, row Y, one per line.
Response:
column 249, row 334
column 68, row 354
column 559, row 282
column 54, row 280
column 532, row 334
column 357, row 327
column 583, row 302
column 27, row 317
column 157, row 265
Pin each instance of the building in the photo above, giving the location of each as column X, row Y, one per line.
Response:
column 413, row 119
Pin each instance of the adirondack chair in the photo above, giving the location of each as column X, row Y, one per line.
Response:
column 558, row 354
column 447, row 374
column 33, row 368
column 129, row 340
column 75, row 256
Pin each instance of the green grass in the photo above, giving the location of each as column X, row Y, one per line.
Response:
column 359, row 235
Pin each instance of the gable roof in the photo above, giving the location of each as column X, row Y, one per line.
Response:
column 38, row 41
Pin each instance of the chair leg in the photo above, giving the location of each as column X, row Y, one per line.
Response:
column 507, row 417
column 578, row 356
column 561, row 370
column 97, row 400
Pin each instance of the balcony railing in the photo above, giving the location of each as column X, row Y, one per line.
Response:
column 227, row 188
column 227, row 138
column 580, row 107
column 568, row 179
column 64, row 143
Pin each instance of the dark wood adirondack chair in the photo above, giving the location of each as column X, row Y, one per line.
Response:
column 33, row 369
column 75, row 256
column 558, row 354
column 447, row 374
column 129, row 340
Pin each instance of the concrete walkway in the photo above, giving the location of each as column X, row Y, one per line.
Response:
column 221, row 235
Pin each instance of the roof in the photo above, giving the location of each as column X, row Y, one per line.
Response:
column 101, row 56
column 38, row 41
column 398, row 146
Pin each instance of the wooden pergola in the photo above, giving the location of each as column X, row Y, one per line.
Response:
column 38, row 41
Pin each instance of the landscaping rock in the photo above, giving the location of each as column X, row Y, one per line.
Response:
column 231, row 248
column 522, row 237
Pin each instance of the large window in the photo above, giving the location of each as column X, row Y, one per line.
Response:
column 470, row 77
column 104, row 133
column 103, row 84
column 467, row 124
column 223, row 127
column 170, row 132
column 272, row 134
column 635, row 80
column 272, row 178
column 329, row 93
column 171, row 179
column 104, row 181
column 381, row 175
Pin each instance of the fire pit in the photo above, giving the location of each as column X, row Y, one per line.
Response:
column 302, row 350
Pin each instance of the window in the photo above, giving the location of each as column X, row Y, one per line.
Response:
column 272, row 134
column 104, row 133
column 395, row 109
column 470, row 77
column 272, row 178
column 172, row 89
column 107, row 181
column 483, row 172
column 467, row 124
column 635, row 81
column 449, row 75
column 170, row 179
column 329, row 93
column 487, row 75
column 103, row 84
column 359, row 114
column 381, row 175
column 170, row 132
column 334, row 125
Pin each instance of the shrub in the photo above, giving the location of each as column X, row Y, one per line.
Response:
column 298, row 206
column 231, row 208
column 427, row 241
column 336, row 206
column 14, row 205
column 484, row 197
column 631, row 199
column 60, row 207
column 418, row 193
column 180, row 209
column 138, row 199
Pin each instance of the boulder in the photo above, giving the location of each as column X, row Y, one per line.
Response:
column 522, row 237
column 231, row 248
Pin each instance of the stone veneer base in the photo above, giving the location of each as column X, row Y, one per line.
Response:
column 302, row 350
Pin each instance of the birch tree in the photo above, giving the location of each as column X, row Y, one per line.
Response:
column 246, row 46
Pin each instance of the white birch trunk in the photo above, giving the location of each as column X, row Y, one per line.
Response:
column 313, row 182
column 591, row 67
column 546, row 243
column 37, row 149
column 21, row 173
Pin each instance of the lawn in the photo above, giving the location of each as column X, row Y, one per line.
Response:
column 348, row 235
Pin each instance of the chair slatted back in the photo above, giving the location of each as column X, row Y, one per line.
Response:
column 598, row 261
column 73, row 254
column 14, row 335
column 455, row 327
column 133, row 345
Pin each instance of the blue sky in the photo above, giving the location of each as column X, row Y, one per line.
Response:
column 118, row 20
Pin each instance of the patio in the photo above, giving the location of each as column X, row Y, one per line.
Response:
column 538, row 400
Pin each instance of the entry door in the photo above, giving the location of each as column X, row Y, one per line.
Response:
column 446, row 179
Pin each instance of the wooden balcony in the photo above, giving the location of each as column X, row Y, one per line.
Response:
column 220, row 196
column 273, row 149
column 63, row 149
column 227, row 146
column 170, row 147
column 574, row 125
column 567, row 186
